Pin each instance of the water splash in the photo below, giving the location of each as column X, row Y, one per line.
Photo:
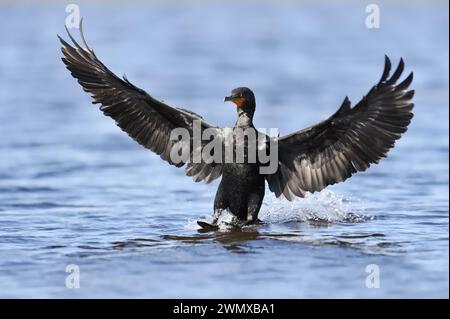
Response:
column 192, row 223
column 226, row 221
column 326, row 206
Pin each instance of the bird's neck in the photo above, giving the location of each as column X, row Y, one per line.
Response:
column 245, row 119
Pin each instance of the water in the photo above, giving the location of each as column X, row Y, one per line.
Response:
column 75, row 190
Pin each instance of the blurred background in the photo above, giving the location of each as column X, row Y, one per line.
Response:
column 74, row 189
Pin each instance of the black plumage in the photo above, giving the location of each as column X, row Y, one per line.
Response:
column 349, row 141
column 145, row 119
column 308, row 160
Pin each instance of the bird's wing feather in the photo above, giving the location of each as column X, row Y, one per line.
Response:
column 145, row 119
column 347, row 142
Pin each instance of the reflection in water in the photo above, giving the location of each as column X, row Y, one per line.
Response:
column 240, row 239
column 136, row 242
column 232, row 239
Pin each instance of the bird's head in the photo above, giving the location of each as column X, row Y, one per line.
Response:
column 244, row 99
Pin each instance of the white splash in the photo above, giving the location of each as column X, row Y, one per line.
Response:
column 192, row 224
column 226, row 222
column 325, row 206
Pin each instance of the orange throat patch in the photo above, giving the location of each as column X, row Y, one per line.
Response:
column 239, row 101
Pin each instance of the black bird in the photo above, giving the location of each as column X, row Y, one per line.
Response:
column 308, row 160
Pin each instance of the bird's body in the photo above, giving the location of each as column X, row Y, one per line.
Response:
column 307, row 160
column 241, row 190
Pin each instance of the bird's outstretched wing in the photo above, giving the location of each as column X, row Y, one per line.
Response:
column 347, row 142
column 147, row 120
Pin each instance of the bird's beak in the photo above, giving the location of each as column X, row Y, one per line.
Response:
column 235, row 99
column 228, row 98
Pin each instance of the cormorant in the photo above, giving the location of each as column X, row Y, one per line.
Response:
column 308, row 160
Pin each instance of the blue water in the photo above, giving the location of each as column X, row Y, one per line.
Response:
column 74, row 189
